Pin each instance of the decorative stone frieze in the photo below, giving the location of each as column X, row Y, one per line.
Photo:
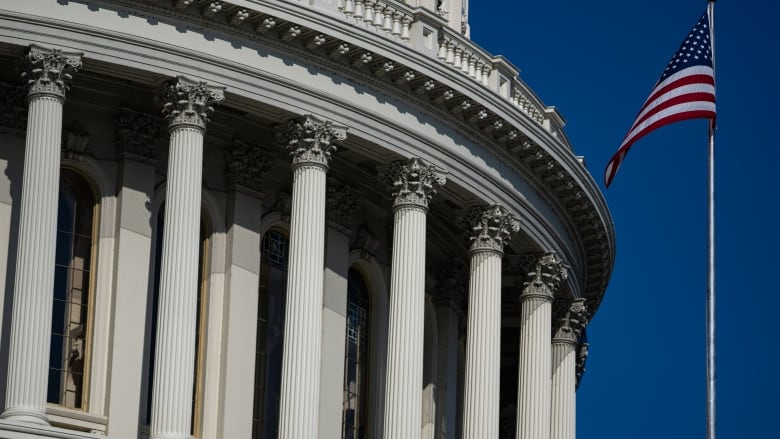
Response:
column 189, row 103
column 246, row 165
column 311, row 141
column 413, row 182
column 49, row 71
column 491, row 228
column 342, row 203
column 571, row 317
column 138, row 133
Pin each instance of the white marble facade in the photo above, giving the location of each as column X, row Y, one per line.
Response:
column 281, row 219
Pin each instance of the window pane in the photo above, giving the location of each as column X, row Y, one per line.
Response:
column 270, row 335
column 356, row 358
column 71, row 297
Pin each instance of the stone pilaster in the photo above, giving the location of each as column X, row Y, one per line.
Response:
column 187, row 105
column 137, row 136
column 571, row 319
column 311, row 143
column 534, row 382
column 246, row 165
column 414, row 184
column 450, row 300
column 490, row 232
column 48, row 74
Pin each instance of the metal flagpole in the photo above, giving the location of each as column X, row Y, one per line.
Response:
column 711, row 261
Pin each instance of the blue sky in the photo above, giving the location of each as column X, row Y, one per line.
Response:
column 597, row 61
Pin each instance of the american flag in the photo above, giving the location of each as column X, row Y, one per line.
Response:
column 686, row 90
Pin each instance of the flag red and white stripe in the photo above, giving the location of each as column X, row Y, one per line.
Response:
column 686, row 90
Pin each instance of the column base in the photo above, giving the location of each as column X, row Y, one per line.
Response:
column 27, row 415
column 170, row 436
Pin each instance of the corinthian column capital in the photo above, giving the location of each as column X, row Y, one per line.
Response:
column 545, row 274
column 414, row 182
column 491, row 228
column 571, row 319
column 48, row 71
column 312, row 141
column 189, row 103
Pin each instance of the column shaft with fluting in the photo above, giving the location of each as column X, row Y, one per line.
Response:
column 414, row 183
column 29, row 344
column 570, row 322
column 535, row 359
column 174, row 365
column 309, row 142
column 491, row 229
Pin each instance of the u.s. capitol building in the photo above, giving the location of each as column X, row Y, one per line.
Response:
column 256, row 219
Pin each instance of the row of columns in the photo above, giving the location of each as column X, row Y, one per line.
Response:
column 547, row 364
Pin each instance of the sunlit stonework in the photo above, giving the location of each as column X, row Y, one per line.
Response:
column 189, row 103
column 492, row 228
column 303, row 269
column 311, row 141
column 50, row 71
column 413, row 182
column 546, row 273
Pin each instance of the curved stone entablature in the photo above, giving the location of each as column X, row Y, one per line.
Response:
column 430, row 68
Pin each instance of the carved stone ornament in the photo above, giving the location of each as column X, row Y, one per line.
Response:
column 13, row 109
column 138, row 133
column 366, row 243
column 571, row 319
column 582, row 357
column 49, row 71
column 342, row 203
column 491, row 228
column 546, row 272
column 452, row 283
column 188, row 102
column 75, row 139
column 246, row 165
column 413, row 182
column 311, row 141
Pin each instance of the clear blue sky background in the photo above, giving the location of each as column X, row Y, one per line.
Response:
column 597, row 61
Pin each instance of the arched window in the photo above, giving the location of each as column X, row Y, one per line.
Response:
column 71, row 331
column 270, row 334
column 356, row 358
column 200, row 329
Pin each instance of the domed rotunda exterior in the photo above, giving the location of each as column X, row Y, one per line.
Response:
column 262, row 219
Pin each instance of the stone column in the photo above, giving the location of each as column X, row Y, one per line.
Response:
column 310, row 142
column 491, row 228
column 187, row 105
column 414, row 184
column 571, row 319
column 48, row 73
column 533, row 393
